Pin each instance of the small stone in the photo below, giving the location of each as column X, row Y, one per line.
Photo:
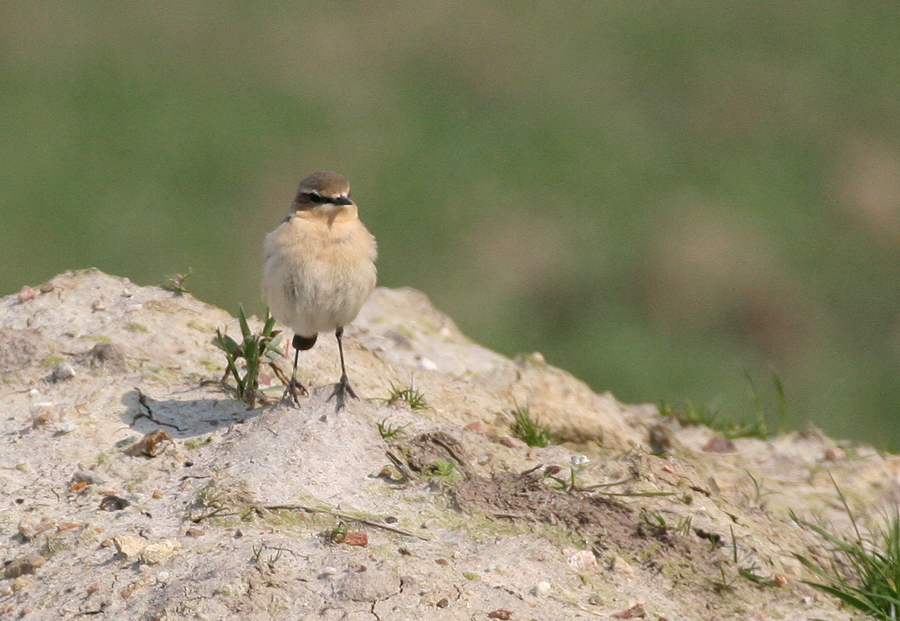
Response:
column 152, row 444
column 62, row 371
column 194, row 532
column 23, row 583
column 98, row 305
column 782, row 580
column 26, row 294
column 47, row 287
column 356, row 538
column 578, row 461
column 719, row 444
column 93, row 588
column 621, row 567
column 542, row 588
column 514, row 443
column 328, row 571
column 835, row 453
column 431, row 524
column 23, row 565
column 156, row 495
column 156, row 553
column 478, row 427
column 582, row 561
column 66, row 426
column 129, row 545
column 32, row 525
column 537, row 358
column 483, row 459
column 635, row 612
column 112, row 502
column 504, row 614
column 660, row 438
column 443, row 603
column 162, row 577
column 427, row 363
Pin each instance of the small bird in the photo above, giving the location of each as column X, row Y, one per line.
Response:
column 319, row 269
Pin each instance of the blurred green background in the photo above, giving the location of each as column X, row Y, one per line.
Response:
column 661, row 197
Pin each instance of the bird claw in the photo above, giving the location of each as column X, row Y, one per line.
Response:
column 341, row 389
column 292, row 392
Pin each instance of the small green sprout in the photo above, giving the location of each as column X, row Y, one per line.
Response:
column 441, row 468
column 388, row 431
column 338, row 533
column 175, row 282
column 255, row 350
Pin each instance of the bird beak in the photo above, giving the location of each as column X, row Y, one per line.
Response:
column 342, row 200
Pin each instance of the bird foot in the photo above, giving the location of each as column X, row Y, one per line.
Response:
column 341, row 389
column 293, row 391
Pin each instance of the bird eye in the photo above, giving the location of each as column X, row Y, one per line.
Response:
column 318, row 199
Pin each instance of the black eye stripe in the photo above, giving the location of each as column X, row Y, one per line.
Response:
column 318, row 199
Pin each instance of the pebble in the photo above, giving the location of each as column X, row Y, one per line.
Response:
column 23, row 565
column 23, row 583
column 512, row 442
column 329, row 571
column 129, row 545
column 431, row 524
column 32, row 525
column 112, row 502
column 156, row 553
column 27, row 293
column 478, row 427
column 62, row 371
column 427, row 364
column 621, row 567
column 542, row 588
column 582, row 561
column 356, row 538
column 66, row 426
column 718, row 444
column 152, row 444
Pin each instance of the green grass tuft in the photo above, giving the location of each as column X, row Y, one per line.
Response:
column 410, row 395
column 529, row 429
column 863, row 572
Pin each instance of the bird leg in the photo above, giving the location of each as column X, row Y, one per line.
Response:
column 342, row 388
column 295, row 388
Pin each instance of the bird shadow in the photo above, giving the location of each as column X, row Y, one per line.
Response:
column 182, row 417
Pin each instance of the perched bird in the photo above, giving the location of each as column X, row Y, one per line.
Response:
column 319, row 269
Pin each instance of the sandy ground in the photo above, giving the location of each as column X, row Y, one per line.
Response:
column 134, row 486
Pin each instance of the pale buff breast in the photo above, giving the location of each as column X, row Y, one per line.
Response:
column 318, row 274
